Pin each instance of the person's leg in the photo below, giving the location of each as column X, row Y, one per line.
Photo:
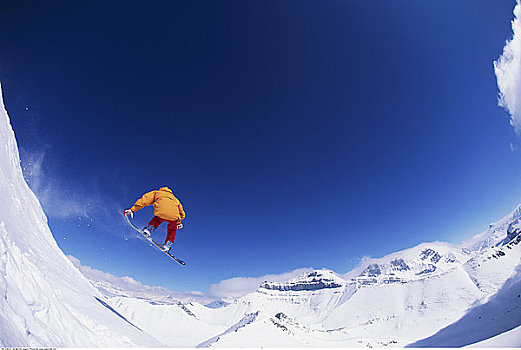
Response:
column 170, row 235
column 155, row 222
column 152, row 225
column 171, row 231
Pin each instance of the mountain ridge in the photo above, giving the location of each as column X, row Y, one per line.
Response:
column 434, row 284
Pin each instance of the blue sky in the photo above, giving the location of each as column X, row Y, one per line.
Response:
column 296, row 133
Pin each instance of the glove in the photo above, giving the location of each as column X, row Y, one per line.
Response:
column 129, row 212
column 179, row 226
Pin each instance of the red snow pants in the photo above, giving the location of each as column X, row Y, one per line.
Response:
column 170, row 230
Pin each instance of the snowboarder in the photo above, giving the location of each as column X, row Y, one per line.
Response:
column 166, row 208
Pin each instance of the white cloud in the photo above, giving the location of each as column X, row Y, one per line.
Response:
column 239, row 286
column 126, row 285
column 361, row 263
column 508, row 73
column 228, row 289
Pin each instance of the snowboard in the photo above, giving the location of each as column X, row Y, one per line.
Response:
column 181, row 262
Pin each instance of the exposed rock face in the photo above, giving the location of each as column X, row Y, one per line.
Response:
column 314, row 280
column 399, row 265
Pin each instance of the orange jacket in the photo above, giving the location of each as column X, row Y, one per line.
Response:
column 166, row 205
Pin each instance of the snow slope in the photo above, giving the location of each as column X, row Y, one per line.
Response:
column 498, row 314
column 44, row 299
column 509, row 339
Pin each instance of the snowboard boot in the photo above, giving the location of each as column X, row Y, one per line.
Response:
column 147, row 231
column 166, row 247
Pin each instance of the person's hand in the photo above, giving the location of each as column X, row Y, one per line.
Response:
column 129, row 212
column 179, row 226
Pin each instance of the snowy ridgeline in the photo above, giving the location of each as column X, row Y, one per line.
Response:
column 435, row 294
column 44, row 299
column 431, row 295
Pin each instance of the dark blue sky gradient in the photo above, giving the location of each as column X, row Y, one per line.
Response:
column 296, row 133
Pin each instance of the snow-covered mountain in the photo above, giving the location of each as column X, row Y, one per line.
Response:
column 446, row 295
column 44, row 299
column 434, row 294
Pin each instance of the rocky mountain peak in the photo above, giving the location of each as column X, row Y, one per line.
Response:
column 314, row 280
